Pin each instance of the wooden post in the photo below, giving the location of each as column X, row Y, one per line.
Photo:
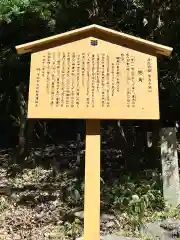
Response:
column 92, row 181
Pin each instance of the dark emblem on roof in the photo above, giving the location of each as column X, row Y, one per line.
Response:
column 94, row 42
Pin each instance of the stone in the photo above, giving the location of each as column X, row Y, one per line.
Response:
column 109, row 224
column 79, row 214
column 170, row 168
column 107, row 217
column 171, row 225
column 154, row 231
column 104, row 217
column 114, row 237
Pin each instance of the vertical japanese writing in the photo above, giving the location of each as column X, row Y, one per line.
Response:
column 149, row 68
column 128, row 80
column 88, row 81
column 117, row 73
column 54, row 62
column 58, row 62
column 73, row 76
column 68, row 80
column 122, row 57
column 78, row 79
column 43, row 65
column 133, row 100
column 103, row 80
column 83, row 68
column 58, row 66
column 37, row 86
column 98, row 73
column 48, row 72
column 63, row 79
column 107, row 83
column 93, row 80
column 53, row 78
column 140, row 75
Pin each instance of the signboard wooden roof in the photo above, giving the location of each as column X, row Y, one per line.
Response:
column 96, row 30
column 93, row 73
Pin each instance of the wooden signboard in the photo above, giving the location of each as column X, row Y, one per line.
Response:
column 93, row 73
column 92, row 78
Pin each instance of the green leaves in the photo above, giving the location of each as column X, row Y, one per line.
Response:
column 12, row 9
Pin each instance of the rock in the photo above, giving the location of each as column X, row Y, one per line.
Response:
column 153, row 230
column 79, row 214
column 104, row 217
column 107, row 217
column 175, row 233
column 171, row 225
column 107, row 220
column 109, row 224
column 114, row 237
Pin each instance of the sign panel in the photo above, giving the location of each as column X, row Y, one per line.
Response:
column 93, row 79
